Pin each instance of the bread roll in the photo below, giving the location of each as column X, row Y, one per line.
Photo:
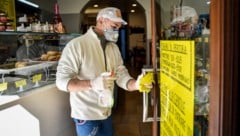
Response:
column 44, row 57
column 51, row 58
column 58, row 57
column 20, row 64
column 52, row 53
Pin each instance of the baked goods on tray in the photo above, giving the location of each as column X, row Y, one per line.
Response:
column 51, row 56
column 20, row 64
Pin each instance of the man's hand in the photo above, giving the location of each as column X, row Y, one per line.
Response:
column 144, row 82
column 103, row 82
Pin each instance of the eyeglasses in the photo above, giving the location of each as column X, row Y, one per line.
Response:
column 115, row 25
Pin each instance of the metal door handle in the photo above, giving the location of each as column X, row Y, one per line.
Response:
column 146, row 117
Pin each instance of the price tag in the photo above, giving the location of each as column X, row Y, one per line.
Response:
column 37, row 78
column 3, row 86
column 20, row 83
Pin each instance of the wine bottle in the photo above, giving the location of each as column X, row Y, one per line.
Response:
column 57, row 21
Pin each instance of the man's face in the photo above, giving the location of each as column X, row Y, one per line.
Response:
column 104, row 24
column 110, row 30
column 108, row 24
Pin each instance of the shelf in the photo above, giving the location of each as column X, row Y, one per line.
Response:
column 21, row 33
column 34, row 33
column 31, row 67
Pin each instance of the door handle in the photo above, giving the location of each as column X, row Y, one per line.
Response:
column 146, row 100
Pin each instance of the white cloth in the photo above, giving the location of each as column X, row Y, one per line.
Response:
column 83, row 58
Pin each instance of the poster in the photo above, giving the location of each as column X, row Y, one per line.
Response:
column 177, row 87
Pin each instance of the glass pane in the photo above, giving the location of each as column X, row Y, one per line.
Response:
column 189, row 20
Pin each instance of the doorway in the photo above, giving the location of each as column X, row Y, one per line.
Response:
column 132, row 36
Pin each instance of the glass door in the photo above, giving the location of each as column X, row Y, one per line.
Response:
column 183, row 69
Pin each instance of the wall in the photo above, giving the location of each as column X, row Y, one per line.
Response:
column 136, row 39
column 47, row 5
column 70, row 22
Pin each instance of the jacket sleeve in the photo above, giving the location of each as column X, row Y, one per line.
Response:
column 67, row 67
column 115, row 61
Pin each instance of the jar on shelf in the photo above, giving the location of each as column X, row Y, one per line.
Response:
column 36, row 27
column 2, row 26
column 9, row 27
column 3, row 17
column 45, row 27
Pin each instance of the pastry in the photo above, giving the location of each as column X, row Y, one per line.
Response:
column 20, row 64
column 52, row 53
column 52, row 58
column 44, row 57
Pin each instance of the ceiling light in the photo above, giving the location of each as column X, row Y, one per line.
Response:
column 132, row 10
column 134, row 4
column 95, row 5
column 29, row 3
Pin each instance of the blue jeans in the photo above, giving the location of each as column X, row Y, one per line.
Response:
column 94, row 127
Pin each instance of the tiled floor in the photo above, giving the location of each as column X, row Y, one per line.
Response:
column 127, row 116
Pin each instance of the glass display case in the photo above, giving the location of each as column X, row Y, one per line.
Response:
column 28, row 60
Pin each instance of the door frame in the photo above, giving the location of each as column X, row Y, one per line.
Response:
column 224, row 65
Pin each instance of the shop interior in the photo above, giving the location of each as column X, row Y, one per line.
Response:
column 32, row 29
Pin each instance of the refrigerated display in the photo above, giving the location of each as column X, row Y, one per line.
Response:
column 29, row 60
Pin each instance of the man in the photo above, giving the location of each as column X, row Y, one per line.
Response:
column 29, row 49
column 88, row 68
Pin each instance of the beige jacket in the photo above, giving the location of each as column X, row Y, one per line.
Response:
column 83, row 58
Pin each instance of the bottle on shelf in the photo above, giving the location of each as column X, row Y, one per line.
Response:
column 57, row 21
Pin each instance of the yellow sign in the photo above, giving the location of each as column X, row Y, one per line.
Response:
column 3, row 86
column 177, row 87
column 37, row 78
column 20, row 83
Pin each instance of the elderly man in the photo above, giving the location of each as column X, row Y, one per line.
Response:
column 88, row 68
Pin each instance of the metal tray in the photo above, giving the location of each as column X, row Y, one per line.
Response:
column 31, row 66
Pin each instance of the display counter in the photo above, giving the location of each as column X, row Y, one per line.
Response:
column 41, row 111
column 28, row 60
column 29, row 100
column 17, row 80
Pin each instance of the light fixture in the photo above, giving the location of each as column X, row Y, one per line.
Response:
column 134, row 4
column 95, row 5
column 132, row 11
column 208, row 2
column 29, row 3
